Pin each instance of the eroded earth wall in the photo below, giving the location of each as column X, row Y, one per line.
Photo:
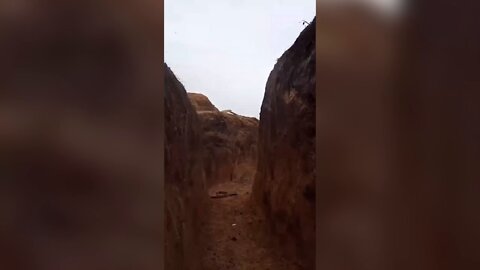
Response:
column 184, row 177
column 284, row 186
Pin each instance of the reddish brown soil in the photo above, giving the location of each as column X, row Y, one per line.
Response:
column 234, row 235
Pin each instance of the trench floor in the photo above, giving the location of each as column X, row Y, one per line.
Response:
column 235, row 233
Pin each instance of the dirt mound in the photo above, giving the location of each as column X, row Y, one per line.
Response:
column 201, row 103
column 184, row 177
column 284, row 185
column 230, row 142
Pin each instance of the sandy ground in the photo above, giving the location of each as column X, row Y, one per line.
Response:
column 235, row 240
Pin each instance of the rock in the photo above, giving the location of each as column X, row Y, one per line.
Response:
column 184, row 177
column 284, row 186
column 230, row 141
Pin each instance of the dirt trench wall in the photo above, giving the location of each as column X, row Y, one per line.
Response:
column 230, row 142
column 184, row 178
column 284, row 186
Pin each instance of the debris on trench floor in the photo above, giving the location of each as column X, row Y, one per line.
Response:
column 222, row 194
column 234, row 240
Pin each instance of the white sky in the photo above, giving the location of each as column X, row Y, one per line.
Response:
column 226, row 49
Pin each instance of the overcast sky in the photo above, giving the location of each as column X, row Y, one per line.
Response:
column 226, row 49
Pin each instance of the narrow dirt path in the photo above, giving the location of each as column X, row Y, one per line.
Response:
column 234, row 240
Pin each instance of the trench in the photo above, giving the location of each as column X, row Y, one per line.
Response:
column 215, row 153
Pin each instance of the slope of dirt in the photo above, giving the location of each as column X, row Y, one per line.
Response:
column 284, row 187
column 184, row 178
